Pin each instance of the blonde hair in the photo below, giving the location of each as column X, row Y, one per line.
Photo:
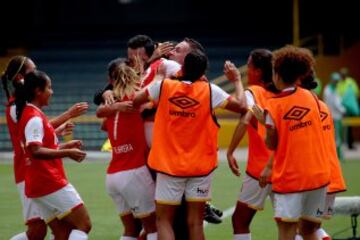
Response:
column 125, row 81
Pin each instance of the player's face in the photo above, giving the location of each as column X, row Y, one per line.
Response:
column 253, row 73
column 44, row 96
column 179, row 53
column 139, row 53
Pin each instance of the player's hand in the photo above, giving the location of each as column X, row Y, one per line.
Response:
column 78, row 109
column 258, row 113
column 65, row 129
column 76, row 154
column 233, row 164
column 73, row 144
column 163, row 49
column 231, row 72
column 264, row 176
column 126, row 106
column 108, row 97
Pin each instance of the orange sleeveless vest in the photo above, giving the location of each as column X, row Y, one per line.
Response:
column 185, row 132
column 299, row 160
column 337, row 182
column 258, row 153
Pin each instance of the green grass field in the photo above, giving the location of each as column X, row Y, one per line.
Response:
column 88, row 178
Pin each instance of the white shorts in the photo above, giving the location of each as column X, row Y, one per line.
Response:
column 59, row 204
column 252, row 194
column 148, row 128
column 170, row 190
column 132, row 191
column 305, row 205
column 329, row 205
column 30, row 210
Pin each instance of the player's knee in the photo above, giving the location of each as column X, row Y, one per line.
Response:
column 86, row 226
column 132, row 227
column 36, row 230
column 149, row 224
column 308, row 228
column 240, row 225
column 130, row 231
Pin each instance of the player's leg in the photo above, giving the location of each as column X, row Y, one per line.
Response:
column 251, row 199
column 327, row 214
column 195, row 218
column 67, row 205
column 164, row 219
column 288, row 209
column 131, row 226
column 197, row 193
column 36, row 226
column 313, row 206
column 168, row 196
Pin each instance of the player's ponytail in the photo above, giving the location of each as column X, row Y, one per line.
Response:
column 20, row 100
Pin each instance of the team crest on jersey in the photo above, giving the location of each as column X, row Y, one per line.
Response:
column 183, row 102
column 323, row 115
column 296, row 113
column 35, row 133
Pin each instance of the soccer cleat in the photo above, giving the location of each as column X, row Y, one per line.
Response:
column 211, row 216
column 216, row 210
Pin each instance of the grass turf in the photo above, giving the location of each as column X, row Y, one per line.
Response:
column 89, row 180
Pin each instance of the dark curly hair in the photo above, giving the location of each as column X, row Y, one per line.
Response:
column 292, row 63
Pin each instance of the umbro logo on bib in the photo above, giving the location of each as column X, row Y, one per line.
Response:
column 296, row 113
column 323, row 116
column 183, row 102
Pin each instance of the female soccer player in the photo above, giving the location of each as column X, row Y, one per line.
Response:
column 300, row 170
column 252, row 196
column 184, row 148
column 13, row 77
column 58, row 200
column 128, row 180
column 337, row 182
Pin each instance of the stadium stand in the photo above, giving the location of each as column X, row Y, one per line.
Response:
column 78, row 70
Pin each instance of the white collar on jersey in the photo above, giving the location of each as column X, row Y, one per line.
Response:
column 32, row 105
column 288, row 89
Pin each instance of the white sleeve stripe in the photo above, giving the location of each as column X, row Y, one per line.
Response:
column 249, row 98
column 34, row 130
column 13, row 113
column 218, row 96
